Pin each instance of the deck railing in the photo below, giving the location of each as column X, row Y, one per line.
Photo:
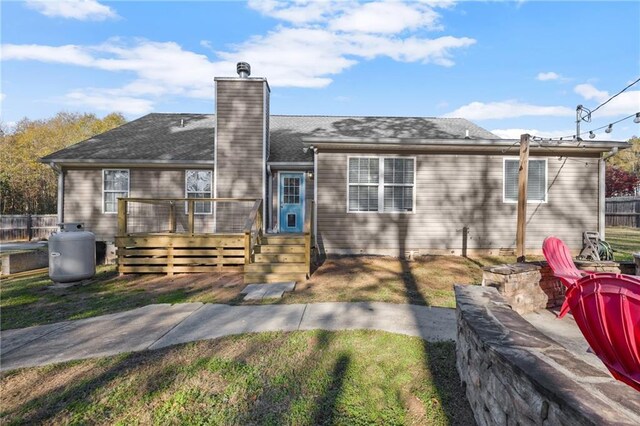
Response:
column 192, row 216
column 309, row 238
column 177, row 235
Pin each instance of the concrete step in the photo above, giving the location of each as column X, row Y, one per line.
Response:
column 282, row 239
column 280, row 249
column 275, row 267
column 257, row 277
column 279, row 258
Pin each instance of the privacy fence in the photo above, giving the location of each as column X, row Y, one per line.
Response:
column 623, row 211
column 27, row 227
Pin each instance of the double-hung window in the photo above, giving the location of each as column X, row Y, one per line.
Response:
column 198, row 185
column 379, row 184
column 115, row 184
column 536, row 183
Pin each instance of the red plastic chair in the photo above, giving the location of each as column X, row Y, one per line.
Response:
column 606, row 307
column 561, row 262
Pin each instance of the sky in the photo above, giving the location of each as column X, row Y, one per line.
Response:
column 510, row 67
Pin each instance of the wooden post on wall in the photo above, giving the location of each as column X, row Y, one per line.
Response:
column 122, row 216
column 523, row 177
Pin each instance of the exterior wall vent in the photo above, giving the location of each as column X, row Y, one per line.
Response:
column 244, row 69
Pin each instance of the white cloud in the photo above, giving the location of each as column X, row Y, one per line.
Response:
column 624, row 104
column 83, row 10
column 108, row 102
column 67, row 54
column 515, row 133
column 507, row 109
column 588, row 91
column 314, row 44
column 387, row 18
column 299, row 12
column 547, row 76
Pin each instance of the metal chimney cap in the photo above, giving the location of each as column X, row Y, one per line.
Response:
column 244, row 69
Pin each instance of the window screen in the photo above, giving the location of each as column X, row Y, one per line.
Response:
column 198, row 185
column 381, row 184
column 363, row 184
column 536, row 185
column 115, row 185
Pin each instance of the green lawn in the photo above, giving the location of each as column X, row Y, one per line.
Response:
column 301, row 378
column 428, row 281
column 624, row 241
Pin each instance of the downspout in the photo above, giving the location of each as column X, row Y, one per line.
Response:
column 315, row 194
column 269, row 220
column 602, row 183
column 60, row 200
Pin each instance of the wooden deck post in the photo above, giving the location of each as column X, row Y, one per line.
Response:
column 247, row 248
column 191, row 217
column 122, row 216
column 523, row 178
column 172, row 217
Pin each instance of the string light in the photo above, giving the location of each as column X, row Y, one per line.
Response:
column 592, row 135
column 609, row 128
column 637, row 119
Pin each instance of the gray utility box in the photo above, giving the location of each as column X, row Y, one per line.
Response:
column 72, row 254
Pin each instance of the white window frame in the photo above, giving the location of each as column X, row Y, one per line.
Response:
column 105, row 191
column 381, row 184
column 186, row 193
column 505, row 200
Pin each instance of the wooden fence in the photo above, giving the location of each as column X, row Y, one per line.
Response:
column 27, row 227
column 623, row 211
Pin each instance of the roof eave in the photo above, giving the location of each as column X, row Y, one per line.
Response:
column 464, row 143
column 123, row 162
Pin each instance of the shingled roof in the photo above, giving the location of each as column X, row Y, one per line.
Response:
column 184, row 138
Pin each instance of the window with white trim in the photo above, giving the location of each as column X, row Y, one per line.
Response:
column 381, row 184
column 115, row 184
column 536, row 183
column 198, row 185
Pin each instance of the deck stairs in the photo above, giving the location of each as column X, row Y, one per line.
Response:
column 277, row 258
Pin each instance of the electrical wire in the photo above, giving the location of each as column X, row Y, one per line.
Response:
column 611, row 98
column 587, row 131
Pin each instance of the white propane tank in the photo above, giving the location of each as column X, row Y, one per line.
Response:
column 72, row 253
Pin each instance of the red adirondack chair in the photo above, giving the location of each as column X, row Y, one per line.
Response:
column 606, row 307
column 560, row 261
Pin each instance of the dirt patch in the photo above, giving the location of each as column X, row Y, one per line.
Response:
column 428, row 280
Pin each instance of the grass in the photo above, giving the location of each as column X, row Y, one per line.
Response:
column 426, row 281
column 35, row 300
column 302, row 378
column 624, row 241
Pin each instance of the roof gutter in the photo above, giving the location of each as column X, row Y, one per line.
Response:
column 124, row 161
column 483, row 144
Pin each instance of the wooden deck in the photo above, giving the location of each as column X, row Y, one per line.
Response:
column 168, row 250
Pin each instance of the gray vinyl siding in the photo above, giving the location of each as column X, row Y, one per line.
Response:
column 454, row 191
column 240, row 141
column 83, row 201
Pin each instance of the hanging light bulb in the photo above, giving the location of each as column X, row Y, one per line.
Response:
column 592, row 135
column 609, row 128
column 637, row 119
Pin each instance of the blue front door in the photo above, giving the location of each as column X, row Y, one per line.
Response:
column 291, row 202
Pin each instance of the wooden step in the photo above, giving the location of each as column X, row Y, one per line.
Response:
column 280, row 249
column 279, row 258
column 276, row 267
column 256, row 277
column 282, row 239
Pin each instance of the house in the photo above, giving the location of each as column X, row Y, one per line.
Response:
column 364, row 185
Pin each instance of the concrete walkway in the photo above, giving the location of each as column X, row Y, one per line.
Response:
column 157, row 326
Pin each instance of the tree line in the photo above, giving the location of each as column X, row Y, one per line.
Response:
column 27, row 186
column 623, row 171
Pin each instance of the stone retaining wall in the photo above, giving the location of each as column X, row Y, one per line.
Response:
column 514, row 374
column 529, row 287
